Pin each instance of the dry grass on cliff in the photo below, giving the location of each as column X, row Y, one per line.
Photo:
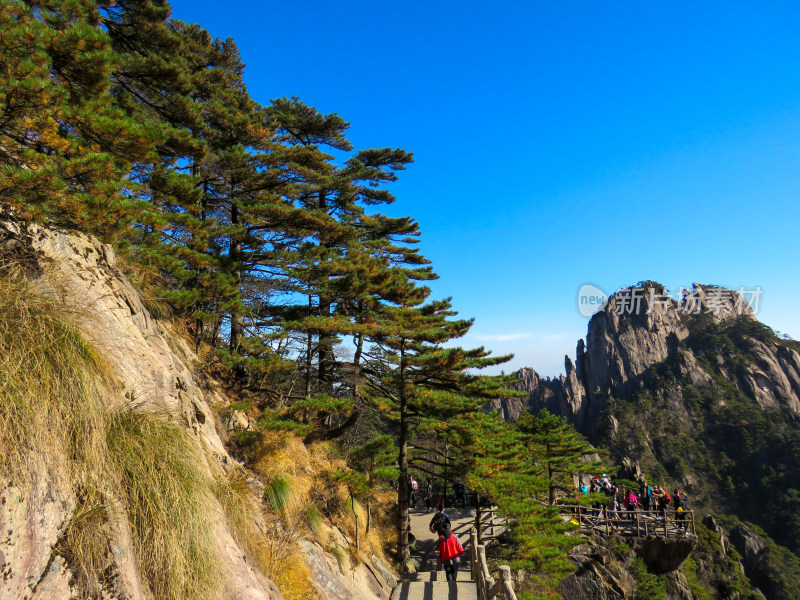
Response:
column 158, row 475
column 51, row 384
column 269, row 531
column 243, row 516
column 294, row 580
column 85, row 544
column 57, row 420
column 306, row 501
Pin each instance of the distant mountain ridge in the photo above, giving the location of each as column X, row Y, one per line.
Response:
column 700, row 395
column 624, row 346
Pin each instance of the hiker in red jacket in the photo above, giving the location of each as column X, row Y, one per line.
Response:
column 450, row 553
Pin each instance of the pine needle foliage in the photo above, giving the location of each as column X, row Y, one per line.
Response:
column 520, row 467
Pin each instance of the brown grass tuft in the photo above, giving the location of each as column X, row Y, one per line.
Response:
column 55, row 394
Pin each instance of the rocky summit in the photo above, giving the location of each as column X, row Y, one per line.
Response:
column 694, row 394
column 625, row 344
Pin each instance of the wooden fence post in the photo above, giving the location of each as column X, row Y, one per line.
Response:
column 605, row 518
column 473, row 553
column 485, row 577
column 506, row 585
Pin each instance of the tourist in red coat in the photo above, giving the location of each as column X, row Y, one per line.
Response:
column 450, row 553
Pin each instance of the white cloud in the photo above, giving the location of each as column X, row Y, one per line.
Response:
column 502, row 338
column 554, row 337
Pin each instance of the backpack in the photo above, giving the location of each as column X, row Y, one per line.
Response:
column 439, row 521
column 667, row 499
column 414, row 485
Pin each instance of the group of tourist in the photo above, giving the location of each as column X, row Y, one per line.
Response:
column 431, row 501
column 647, row 497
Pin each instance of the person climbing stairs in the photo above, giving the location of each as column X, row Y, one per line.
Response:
column 430, row 582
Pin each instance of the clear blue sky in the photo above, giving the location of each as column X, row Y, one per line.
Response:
column 560, row 143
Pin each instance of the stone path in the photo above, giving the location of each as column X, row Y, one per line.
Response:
column 430, row 583
column 428, row 586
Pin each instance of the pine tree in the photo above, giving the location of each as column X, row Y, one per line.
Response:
column 521, row 466
column 423, row 385
column 559, row 451
column 375, row 460
column 65, row 146
column 342, row 260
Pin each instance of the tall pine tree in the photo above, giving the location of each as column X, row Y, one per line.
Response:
column 420, row 383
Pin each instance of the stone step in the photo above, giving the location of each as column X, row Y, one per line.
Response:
column 440, row 576
column 435, row 590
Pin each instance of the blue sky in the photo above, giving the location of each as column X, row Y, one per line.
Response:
column 560, row 143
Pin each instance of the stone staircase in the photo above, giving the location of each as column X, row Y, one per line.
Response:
column 432, row 585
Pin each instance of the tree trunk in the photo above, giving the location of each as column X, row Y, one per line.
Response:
column 444, row 489
column 235, row 256
column 309, row 351
column 369, row 515
column 356, row 383
column 324, row 338
column 325, row 351
column 402, row 490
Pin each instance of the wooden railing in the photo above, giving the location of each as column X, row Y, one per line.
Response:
column 488, row 524
column 634, row 523
column 488, row 588
column 639, row 523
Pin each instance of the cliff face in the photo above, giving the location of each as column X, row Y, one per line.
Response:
column 153, row 370
column 625, row 345
column 697, row 394
column 701, row 568
column 152, row 366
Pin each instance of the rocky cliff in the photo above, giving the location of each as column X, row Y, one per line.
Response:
column 151, row 370
column 679, row 569
column 629, row 339
column 694, row 393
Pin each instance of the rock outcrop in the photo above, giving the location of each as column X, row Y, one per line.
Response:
column 154, row 367
column 636, row 331
column 621, row 571
column 366, row 581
